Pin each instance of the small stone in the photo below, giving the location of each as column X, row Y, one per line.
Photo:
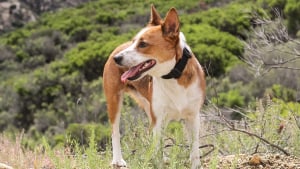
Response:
column 255, row 160
column 4, row 166
column 277, row 156
column 291, row 166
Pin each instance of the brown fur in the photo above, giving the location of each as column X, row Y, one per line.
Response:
column 159, row 43
column 113, row 87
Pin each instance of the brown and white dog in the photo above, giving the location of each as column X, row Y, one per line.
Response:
column 159, row 70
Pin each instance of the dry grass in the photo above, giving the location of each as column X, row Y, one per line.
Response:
column 138, row 148
column 13, row 154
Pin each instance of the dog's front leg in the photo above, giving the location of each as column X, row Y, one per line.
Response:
column 116, row 145
column 114, row 102
column 158, row 144
column 192, row 126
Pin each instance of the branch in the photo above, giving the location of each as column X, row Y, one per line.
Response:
column 233, row 128
column 262, row 139
column 270, row 41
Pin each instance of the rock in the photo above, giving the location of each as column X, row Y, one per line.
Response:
column 265, row 161
column 255, row 160
column 4, row 166
column 16, row 13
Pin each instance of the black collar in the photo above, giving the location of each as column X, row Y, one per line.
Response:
column 180, row 65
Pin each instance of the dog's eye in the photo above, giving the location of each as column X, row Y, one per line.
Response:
column 142, row 44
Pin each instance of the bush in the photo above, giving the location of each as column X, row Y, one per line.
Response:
column 287, row 109
column 15, row 38
column 89, row 57
column 290, row 9
column 234, row 19
column 217, row 51
column 232, row 98
column 42, row 46
column 281, row 92
column 82, row 132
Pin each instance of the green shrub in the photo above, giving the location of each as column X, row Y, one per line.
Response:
column 287, row 109
column 279, row 4
column 15, row 38
column 290, row 9
column 232, row 98
column 21, row 55
column 89, row 57
column 217, row 51
column 82, row 132
column 281, row 92
column 234, row 19
column 42, row 46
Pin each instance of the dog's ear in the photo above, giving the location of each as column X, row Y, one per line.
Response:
column 170, row 26
column 155, row 18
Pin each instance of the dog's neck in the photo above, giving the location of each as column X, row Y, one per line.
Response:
column 176, row 72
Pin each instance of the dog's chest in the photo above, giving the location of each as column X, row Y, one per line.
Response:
column 173, row 100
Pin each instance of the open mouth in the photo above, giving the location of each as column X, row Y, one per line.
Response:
column 136, row 71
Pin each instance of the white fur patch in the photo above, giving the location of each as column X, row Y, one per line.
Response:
column 131, row 56
column 173, row 101
column 182, row 41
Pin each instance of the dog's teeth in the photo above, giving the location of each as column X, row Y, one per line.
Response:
column 145, row 65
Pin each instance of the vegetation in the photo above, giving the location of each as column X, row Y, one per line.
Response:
column 269, row 121
column 51, row 85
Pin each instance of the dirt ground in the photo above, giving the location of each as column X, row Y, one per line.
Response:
column 257, row 161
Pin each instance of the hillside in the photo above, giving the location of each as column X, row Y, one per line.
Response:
column 16, row 13
column 52, row 61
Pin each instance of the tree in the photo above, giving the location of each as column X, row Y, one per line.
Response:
column 271, row 47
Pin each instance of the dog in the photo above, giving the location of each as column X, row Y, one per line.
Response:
column 158, row 69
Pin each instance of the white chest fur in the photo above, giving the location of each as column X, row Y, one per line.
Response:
column 172, row 101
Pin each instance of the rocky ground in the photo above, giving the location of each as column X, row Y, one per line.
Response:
column 257, row 161
column 16, row 13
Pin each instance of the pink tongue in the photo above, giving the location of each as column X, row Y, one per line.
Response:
column 130, row 73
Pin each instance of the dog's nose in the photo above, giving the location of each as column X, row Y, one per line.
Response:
column 118, row 59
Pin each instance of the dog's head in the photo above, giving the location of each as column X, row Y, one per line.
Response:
column 153, row 50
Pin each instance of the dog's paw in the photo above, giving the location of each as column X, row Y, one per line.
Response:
column 118, row 164
column 196, row 163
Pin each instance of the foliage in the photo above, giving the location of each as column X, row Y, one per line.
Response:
column 292, row 10
column 90, row 57
column 232, row 98
column 81, row 133
column 234, row 19
column 289, row 8
column 217, row 51
column 51, row 86
column 266, row 120
column 51, row 64
column 278, row 91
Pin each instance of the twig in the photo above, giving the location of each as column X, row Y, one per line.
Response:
column 210, row 151
column 268, row 37
column 215, row 133
column 186, row 146
column 262, row 139
column 232, row 127
column 297, row 120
